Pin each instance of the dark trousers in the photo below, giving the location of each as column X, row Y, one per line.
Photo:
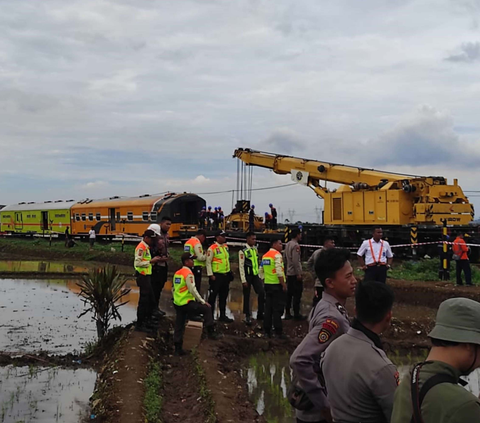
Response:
column 257, row 284
column 319, row 421
column 146, row 300
column 465, row 266
column 197, row 274
column 376, row 273
column 193, row 308
column 294, row 294
column 159, row 277
column 219, row 287
column 274, row 307
column 318, row 295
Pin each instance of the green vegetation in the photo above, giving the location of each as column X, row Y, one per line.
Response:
column 153, row 401
column 205, row 393
column 425, row 270
column 102, row 290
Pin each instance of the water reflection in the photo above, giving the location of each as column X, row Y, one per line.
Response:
column 268, row 377
column 45, row 395
column 41, row 266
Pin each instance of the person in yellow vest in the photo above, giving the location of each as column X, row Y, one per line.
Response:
column 248, row 266
column 220, row 275
column 187, row 302
column 194, row 246
column 273, row 273
column 143, row 272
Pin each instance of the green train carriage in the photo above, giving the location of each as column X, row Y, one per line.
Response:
column 36, row 218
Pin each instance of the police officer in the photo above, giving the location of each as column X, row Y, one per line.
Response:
column 294, row 275
column 378, row 257
column 327, row 244
column 273, row 273
column 218, row 270
column 328, row 320
column 248, row 265
column 143, row 271
column 187, row 301
column 360, row 379
column 194, row 246
column 437, row 396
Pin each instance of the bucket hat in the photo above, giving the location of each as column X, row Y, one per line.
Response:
column 458, row 320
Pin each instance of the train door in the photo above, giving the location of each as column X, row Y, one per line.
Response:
column 18, row 221
column 111, row 213
column 44, row 223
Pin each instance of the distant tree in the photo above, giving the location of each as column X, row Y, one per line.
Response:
column 101, row 292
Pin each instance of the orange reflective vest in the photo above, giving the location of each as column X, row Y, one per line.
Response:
column 145, row 257
column 181, row 294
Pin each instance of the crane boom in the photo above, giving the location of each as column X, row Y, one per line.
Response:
column 368, row 196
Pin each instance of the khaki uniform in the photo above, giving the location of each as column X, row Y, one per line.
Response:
column 293, row 268
column 328, row 321
column 360, row 379
column 444, row 403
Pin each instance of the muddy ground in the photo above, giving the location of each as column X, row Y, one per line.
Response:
column 207, row 385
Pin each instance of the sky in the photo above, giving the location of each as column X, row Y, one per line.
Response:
column 127, row 97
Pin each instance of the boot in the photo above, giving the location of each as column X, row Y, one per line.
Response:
column 288, row 316
column 248, row 320
column 179, row 351
column 259, row 316
column 212, row 333
column 225, row 319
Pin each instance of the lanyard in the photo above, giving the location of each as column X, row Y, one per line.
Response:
column 373, row 255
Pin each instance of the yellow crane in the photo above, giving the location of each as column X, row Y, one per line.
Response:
column 368, row 196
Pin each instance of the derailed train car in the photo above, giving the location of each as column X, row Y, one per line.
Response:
column 131, row 216
column 109, row 217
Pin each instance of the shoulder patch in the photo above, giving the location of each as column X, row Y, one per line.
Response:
column 329, row 328
column 397, row 378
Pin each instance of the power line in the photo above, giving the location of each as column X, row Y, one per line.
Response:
column 254, row 189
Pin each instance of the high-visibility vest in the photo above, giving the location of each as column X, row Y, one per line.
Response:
column 251, row 261
column 458, row 250
column 181, row 294
column 189, row 247
column 221, row 258
column 268, row 263
column 146, row 257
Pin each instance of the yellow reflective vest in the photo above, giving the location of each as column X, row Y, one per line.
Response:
column 146, row 257
column 181, row 294
column 221, row 258
column 268, row 264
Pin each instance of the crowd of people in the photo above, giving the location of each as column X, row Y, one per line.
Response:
column 340, row 370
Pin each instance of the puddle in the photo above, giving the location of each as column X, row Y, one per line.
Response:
column 28, row 266
column 268, row 377
column 43, row 315
column 44, row 395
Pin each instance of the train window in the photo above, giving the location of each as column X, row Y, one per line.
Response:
column 153, row 216
column 84, row 216
column 145, row 216
column 77, row 217
column 129, row 215
column 90, row 216
column 98, row 216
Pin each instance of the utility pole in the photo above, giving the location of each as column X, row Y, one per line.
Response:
column 291, row 214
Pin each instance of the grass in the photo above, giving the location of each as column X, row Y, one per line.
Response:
column 153, row 401
column 205, row 393
column 426, row 270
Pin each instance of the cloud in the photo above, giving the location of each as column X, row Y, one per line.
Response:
column 283, row 141
column 95, row 185
column 469, row 53
column 424, row 138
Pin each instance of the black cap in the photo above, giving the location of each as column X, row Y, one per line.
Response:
column 150, row 233
column 221, row 233
column 186, row 256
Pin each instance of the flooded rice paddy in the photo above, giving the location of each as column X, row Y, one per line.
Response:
column 45, row 395
column 268, row 376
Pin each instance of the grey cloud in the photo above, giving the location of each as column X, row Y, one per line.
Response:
column 469, row 53
column 423, row 139
column 283, row 141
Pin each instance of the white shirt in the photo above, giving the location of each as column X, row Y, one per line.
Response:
column 365, row 250
column 91, row 234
